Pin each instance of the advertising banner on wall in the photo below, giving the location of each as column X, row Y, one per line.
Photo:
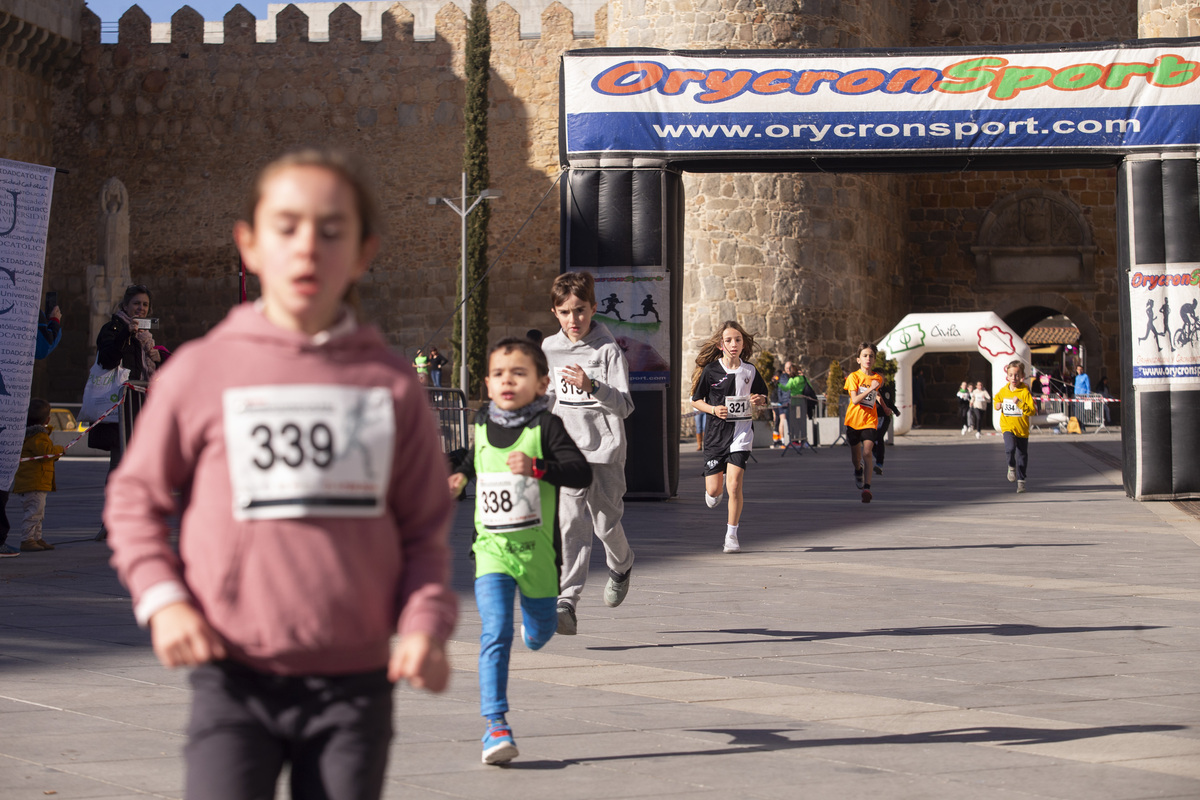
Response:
column 1165, row 333
column 635, row 303
column 25, row 191
column 684, row 104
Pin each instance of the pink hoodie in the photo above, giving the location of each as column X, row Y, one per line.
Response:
column 316, row 595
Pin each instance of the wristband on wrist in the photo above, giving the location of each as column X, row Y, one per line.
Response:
column 538, row 468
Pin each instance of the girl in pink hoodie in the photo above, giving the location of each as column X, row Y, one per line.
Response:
column 314, row 515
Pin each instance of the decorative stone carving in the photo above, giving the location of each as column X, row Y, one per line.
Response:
column 107, row 280
column 1035, row 236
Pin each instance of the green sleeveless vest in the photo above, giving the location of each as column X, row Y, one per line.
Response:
column 514, row 516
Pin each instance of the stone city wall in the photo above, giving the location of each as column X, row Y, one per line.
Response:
column 185, row 125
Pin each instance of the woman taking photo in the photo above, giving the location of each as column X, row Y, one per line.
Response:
column 124, row 343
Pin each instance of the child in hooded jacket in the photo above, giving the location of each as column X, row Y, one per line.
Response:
column 314, row 516
column 589, row 390
column 35, row 477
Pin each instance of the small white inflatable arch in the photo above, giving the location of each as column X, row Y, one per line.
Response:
column 918, row 334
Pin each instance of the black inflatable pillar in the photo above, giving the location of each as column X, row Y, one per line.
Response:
column 1159, row 201
column 623, row 225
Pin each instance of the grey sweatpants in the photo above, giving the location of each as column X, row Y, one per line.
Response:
column 598, row 509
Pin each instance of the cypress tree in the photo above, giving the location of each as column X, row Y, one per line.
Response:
column 475, row 165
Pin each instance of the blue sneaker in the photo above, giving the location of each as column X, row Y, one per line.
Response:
column 8, row 551
column 498, row 744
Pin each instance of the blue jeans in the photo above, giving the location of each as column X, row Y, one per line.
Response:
column 494, row 595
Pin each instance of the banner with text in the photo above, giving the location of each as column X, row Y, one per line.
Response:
column 1167, row 351
column 25, row 193
column 817, row 103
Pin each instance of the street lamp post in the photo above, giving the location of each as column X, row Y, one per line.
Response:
column 464, row 211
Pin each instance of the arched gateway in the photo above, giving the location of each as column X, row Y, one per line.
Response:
column 633, row 120
column 977, row 331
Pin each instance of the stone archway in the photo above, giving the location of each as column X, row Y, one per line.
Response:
column 1019, row 309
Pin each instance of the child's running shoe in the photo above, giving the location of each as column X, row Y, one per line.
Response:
column 8, row 551
column 731, row 543
column 1012, row 474
column 616, row 588
column 858, row 477
column 866, row 494
column 1020, row 487
column 498, row 744
column 878, row 469
column 568, row 623
column 713, row 502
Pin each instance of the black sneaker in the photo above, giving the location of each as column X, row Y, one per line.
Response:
column 568, row 623
column 878, row 469
column 858, row 477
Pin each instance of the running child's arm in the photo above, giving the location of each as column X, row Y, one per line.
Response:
column 422, row 510
column 562, row 464
column 758, row 390
column 700, row 396
column 865, row 389
column 611, row 390
column 463, row 473
column 139, row 500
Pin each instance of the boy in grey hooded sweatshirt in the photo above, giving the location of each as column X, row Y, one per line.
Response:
column 589, row 389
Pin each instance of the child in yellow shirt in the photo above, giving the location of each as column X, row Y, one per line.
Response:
column 1015, row 404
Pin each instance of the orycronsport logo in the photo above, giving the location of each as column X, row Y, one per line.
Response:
column 1140, row 280
column 832, row 131
column 1167, row 371
column 999, row 78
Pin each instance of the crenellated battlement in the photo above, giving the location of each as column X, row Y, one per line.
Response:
column 370, row 21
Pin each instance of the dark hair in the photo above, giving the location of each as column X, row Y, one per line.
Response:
column 867, row 346
column 133, row 291
column 535, row 336
column 579, row 284
column 39, row 412
column 343, row 165
column 510, row 343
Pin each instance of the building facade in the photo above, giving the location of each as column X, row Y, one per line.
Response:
column 812, row 263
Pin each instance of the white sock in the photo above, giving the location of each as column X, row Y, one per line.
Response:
column 730, row 529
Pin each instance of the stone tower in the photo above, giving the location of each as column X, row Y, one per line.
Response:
column 809, row 262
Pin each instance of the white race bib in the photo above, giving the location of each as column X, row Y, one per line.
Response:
column 738, row 406
column 1009, row 408
column 569, row 395
column 508, row 502
column 869, row 399
column 309, row 450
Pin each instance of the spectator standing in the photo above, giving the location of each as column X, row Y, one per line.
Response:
column 1083, row 387
column 421, row 365
column 919, row 398
column 436, row 362
column 49, row 334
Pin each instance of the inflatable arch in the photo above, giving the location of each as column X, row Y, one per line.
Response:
column 632, row 120
column 981, row 331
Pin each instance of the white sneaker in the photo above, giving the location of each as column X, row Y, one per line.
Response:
column 1020, row 487
column 976, row 434
column 964, row 431
column 731, row 543
column 713, row 502
column 1012, row 474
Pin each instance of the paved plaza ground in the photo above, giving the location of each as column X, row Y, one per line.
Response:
column 952, row 639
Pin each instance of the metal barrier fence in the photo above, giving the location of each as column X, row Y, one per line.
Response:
column 1093, row 411
column 453, row 417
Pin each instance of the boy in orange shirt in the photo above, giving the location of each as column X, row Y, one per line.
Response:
column 862, row 416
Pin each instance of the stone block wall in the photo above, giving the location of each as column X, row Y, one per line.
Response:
column 37, row 38
column 945, row 216
column 186, row 125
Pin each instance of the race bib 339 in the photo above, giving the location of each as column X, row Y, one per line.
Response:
column 309, row 450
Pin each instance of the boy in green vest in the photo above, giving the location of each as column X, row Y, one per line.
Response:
column 522, row 455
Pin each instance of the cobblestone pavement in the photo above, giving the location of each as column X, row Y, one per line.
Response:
column 950, row 639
